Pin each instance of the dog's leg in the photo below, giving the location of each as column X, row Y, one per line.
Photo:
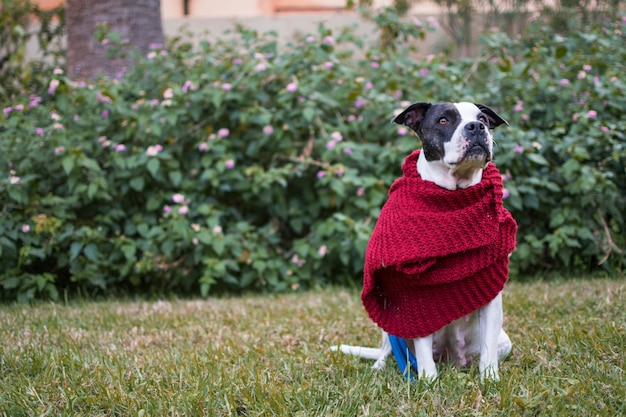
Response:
column 385, row 350
column 424, row 357
column 504, row 345
column 490, row 325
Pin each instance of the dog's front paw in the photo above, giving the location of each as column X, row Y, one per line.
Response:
column 489, row 374
column 427, row 375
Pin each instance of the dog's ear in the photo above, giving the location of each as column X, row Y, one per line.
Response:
column 413, row 115
column 494, row 119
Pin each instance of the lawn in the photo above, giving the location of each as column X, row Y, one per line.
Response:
column 268, row 355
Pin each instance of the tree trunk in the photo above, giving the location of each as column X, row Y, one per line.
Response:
column 136, row 21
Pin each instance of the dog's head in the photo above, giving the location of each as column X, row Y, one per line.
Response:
column 457, row 134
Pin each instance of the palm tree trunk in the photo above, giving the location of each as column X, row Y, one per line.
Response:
column 136, row 21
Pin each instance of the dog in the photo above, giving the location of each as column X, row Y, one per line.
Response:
column 457, row 145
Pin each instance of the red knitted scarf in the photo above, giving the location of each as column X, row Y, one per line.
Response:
column 436, row 255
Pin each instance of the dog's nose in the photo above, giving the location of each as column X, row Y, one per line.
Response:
column 475, row 129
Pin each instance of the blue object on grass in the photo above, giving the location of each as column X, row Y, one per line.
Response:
column 404, row 356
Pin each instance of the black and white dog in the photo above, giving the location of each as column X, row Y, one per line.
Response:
column 456, row 146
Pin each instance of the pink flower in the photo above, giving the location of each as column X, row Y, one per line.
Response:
column 330, row 145
column 605, row 129
column 321, row 174
column 592, row 114
column 587, row 67
column 518, row 149
column 217, row 229
column 58, row 150
column 39, row 131
column 120, row 148
column 336, row 136
column 328, row 65
column 229, row 164
column 328, row 40
column 564, row 82
column 347, row 151
column 183, row 210
column 223, row 133
column 292, row 87
column 368, row 86
column 154, row 150
column 360, row 191
column 54, row 84
column 374, row 64
column 19, row 107
column 519, row 106
column 424, row 72
column 505, row 193
column 26, row 228
column 188, row 85
column 433, row 22
column 575, row 117
column 167, row 209
column 14, row 180
column 296, row 260
column 105, row 113
column 226, row 87
column 168, row 93
column 359, row 103
column 178, row 198
column 322, row 251
column 7, row 110
column 103, row 99
column 581, row 75
column 268, row 130
column 310, row 39
column 237, row 61
column 402, row 131
column 260, row 67
column 203, row 147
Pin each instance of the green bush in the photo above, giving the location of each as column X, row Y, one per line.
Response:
column 240, row 164
column 16, row 30
column 565, row 151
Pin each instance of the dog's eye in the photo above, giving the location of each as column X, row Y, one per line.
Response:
column 443, row 121
column 482, row 119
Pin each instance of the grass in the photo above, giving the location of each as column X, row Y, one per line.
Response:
column 256, row 356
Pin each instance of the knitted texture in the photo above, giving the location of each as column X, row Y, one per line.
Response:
column 436, row 255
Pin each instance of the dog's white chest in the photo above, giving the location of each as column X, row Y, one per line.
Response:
column 458, row 341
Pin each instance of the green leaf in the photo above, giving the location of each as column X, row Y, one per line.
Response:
column 75, row 249
column 538, row 159
column 218, row 245
column 91, row 252
column 128, row 250
column 153, row 167
column 68, row 163
column 92, row 190
column 176, row 178
column 308, row 114
column 90, row 164
column 137, row 183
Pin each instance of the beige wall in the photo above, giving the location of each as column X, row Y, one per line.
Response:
column 251, row 8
